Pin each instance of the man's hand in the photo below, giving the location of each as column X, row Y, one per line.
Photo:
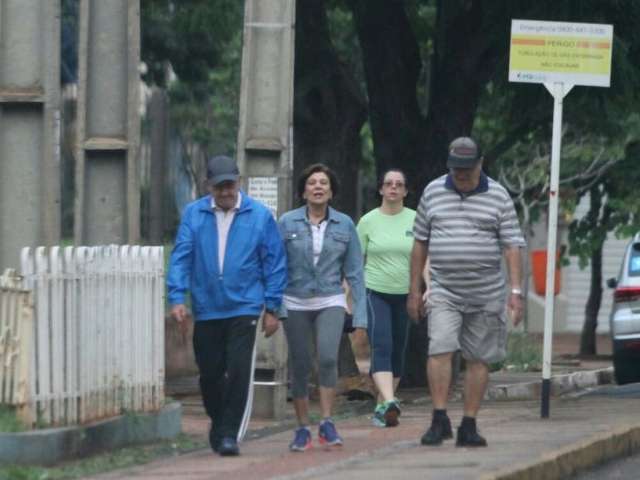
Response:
column 515, row 308
column 415, row 306
column 425, row 297
column 179, row 313
column 270, row 324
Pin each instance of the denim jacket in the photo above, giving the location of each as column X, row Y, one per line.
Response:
column 341, row 258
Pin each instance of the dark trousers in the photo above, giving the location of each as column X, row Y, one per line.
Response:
column 387, row 327
column 224, row 350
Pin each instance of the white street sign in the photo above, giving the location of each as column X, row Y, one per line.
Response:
column 552, row 52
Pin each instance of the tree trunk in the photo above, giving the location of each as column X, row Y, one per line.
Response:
column 329, row 112
column 588, row 336
column 329, row 109
column 462, row 63
column 392, row 68
column 599, row 226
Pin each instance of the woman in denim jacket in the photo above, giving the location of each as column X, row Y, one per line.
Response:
column 322, row 250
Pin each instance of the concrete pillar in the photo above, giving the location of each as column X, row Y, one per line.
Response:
column 107, row 208
column 158, row 115
column 265, row 153
column 29, row 126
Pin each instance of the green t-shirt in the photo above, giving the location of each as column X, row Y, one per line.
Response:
column 386, row 242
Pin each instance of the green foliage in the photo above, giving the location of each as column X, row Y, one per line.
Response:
column 509, row 113
column 345, row 39
column 523, row 354
column 193, row 48
column 614, row 203
column 9, row 421
column 596, row 158
column 207, row 112
column 126, row 457
column 189, row 35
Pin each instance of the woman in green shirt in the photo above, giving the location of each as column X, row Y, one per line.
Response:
column 386, row 236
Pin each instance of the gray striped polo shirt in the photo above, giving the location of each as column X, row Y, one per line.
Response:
column 466, row 234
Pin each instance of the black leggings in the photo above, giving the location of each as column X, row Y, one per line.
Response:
column 387, row 327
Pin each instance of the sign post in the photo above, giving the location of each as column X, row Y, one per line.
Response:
column 559, row 55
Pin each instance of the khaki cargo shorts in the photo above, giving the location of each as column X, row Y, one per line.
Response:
column 480, row 332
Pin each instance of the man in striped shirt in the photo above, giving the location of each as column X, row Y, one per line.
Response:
column 465, row 224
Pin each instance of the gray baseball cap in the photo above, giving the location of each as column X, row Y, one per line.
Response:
column 221, row 169
column 463, row 153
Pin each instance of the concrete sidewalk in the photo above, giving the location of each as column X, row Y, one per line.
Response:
column 581, row 432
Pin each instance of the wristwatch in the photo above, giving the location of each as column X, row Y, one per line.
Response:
column 270, row 310
column 516, row 291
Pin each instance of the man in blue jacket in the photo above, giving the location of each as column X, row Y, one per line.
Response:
column 229, row 255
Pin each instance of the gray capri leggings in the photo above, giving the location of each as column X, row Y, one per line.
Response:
column 301, row 327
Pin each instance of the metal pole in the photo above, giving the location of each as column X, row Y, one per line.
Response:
column 558, row 90
column 29, row 126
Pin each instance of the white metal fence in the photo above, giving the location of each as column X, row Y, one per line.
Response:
column 99, row 331
column 16, row 328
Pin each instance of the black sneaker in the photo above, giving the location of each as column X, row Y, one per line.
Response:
column 469, row 438
column 439, row 430
column 228, row 447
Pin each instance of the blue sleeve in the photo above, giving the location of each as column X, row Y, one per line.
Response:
column 354, row 273
column 282, row 311
column 274, row 265
column 180, row 263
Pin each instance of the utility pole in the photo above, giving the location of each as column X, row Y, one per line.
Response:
column 158, row 113
column 265, row 154
column 107, row 206
column 29, row 126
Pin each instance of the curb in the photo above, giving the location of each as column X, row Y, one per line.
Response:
column 560, row 385
column 52, row 445
column 574, row 458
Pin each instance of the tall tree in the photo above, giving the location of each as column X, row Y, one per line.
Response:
column 392, row 68
column 614, row 207
column 466, row 54
column 192, row 48
column 463, row 55
column 329, row 112
column 329, row 109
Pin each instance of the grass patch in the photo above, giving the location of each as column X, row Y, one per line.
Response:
column 9, row 420
column 122, row 458
column 524, row 354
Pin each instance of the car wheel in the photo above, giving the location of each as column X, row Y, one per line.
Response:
column 626, row 369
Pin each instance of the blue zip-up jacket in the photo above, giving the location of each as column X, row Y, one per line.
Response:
column 254, row 273
column 341, row 258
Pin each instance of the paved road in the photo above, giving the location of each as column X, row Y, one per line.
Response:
column 622, row 469
column 625, row 468
column 631, row 390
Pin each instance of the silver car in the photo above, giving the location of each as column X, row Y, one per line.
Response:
column 625, row 316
